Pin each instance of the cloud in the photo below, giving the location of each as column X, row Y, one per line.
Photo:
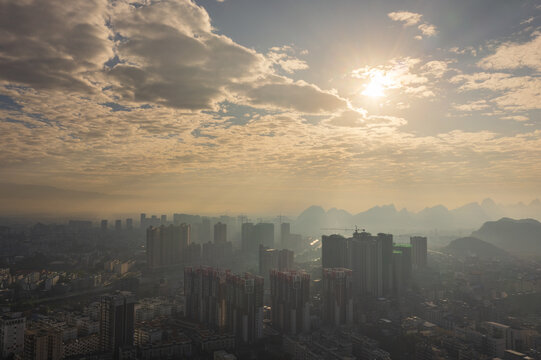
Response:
column 152, row 152
column 510, row 92
column 527, row 21
column 428, row 29
column 349, row 118
column 409, row 19
column 299, row 96
column 520, row 118
column 436, row 68
column 170, row 56
column 360, row 119
column 53, row 44
column 285, row 59
column 461, row 51
column 406, row 17
column 472, row 106
column 204, row 114
column 162, row 53
column 420, row 91
column 402, row 106
column 405, row 74
column 512, row 55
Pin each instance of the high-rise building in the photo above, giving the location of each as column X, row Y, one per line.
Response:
column 163, row 220
column 286, row 260
column 245, row 298
column 215, row 254
column 118, row 225
column 220, row 233
column 205, row 293
column 367, row 265
column 334, row 251
column 143, row 221
column 146, row 222
column 285, row 232
column 290, row 298
column 398, row 276
column 205, row 230
column 195, row 232
column 419, row 251
column 225, row 301
column 184, row 236
column 264, row 234
column 248, row 242
column 12, row 327
column 129, row 223
column 406, row 250
column 43, row 341
column 273, row 259
column 386, row 241
column 166, row 245
column 154, row 247
column 337, row 296
column 103, row 225
column 368, row 256
column 193, row 253
column 116, row 322
column 186, row 218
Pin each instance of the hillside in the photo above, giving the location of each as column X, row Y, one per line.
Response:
column 516, row 236
column 471, row 246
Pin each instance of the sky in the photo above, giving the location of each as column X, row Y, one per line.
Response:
column 252, row 106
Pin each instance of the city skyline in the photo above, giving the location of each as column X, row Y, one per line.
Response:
column 267, row 106
column 274, row 180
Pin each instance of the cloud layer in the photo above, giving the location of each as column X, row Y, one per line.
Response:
column 50, row 45
column 149, row 98
column 408, row 19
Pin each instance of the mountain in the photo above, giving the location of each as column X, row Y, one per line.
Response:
column 471, row 246
column 516, row 236
column 491, row 209
column 310, row 220
column 387, row 218
column 471, row 214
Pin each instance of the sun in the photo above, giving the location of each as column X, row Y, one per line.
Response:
column 374, row 88
column 379, row 82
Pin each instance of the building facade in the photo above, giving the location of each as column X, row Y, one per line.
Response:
column 419, row 251
column 225, row 301
column 337, row 297
column 117, row 318
column 12, row 327
column 290, row 301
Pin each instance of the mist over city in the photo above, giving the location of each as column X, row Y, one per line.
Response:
column 251, row 179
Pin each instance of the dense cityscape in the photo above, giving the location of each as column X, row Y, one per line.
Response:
column 228, row 288
column 270, row 179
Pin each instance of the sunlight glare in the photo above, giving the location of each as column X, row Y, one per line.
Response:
column 379, row 82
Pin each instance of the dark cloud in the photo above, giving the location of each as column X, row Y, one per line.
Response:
column 300, row 97
column 169, row 55
column 162, row 52
column 52, row 44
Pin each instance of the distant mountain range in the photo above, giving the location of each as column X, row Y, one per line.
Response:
column 471, row 246
column 521, row 237
column 387, row 218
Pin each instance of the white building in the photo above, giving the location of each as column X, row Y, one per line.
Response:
column 12, row 326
